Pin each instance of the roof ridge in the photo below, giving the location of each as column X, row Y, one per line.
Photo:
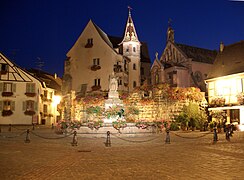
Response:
column 195, row 47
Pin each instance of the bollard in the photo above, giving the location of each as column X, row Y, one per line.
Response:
column 75, row 141
column 108, row 142
column 10, row 127
column 215, row 137
column 33, row 126
column 27, row 139
column 167, row 139
column 227, row 133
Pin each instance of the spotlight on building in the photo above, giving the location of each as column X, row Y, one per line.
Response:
column 56, row 100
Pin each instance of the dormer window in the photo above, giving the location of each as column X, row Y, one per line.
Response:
column 4, row 68
column 89, row 43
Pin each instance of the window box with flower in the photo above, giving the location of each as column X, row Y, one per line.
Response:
column 30, row 94
column 240, row 98
column 118, row 124
column 7, row 94
column 95, row 124
column 96, row 87
column 95, row 67
column 29, row 112
column 7, row 113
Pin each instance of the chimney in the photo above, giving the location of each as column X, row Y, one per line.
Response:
column 221, row 47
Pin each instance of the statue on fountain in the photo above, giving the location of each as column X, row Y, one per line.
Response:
column 113, row 87
column 113, row 98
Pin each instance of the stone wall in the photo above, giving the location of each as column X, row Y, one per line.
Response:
column 150, row 108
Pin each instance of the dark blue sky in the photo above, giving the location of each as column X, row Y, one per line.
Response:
column 47, row 29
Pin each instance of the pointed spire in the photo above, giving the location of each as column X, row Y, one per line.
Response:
column 170, row 31
column 130, row 31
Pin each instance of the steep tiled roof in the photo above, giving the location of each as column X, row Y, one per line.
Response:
column 198, row 54
column 49, row 79
column 103, row 35
column 229, row 61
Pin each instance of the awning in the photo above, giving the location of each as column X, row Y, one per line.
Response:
column 225, row 107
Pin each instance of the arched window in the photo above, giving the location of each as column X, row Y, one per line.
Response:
column 134, row 66
column 134, row 84
column 156, row 78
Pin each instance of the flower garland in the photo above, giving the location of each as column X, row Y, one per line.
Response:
column 120, row 123
column 95, row 124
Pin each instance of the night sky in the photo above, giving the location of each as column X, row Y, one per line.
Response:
column 45, row 30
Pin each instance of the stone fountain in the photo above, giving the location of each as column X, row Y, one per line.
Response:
column 113, row 97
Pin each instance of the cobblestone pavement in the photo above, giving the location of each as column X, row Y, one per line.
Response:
column 190, row 155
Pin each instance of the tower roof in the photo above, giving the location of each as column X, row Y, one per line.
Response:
column 130, row 30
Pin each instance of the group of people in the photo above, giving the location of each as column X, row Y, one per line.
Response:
column 228, row 129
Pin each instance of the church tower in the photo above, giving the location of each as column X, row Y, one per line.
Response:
column 132, row 49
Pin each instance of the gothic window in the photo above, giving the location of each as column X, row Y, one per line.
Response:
column 134, row 49
column 134, row 84
column 134, row 66
column 156, row 78
column 127, row 49
column 120, row 82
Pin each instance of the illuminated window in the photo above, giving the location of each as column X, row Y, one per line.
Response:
column 6, row 105
column 156, row 78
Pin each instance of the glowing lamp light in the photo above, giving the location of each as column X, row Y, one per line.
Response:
column 56, row 99
column 241, row 127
